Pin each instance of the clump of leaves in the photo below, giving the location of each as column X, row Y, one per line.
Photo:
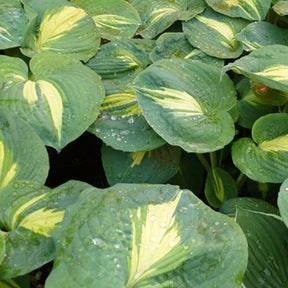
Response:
column 189, row 100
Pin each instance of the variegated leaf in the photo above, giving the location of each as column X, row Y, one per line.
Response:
column 175, row 45
column 259, row 34
column 139, row 241
column 158, row 16
column 113, row 18
column 22, row 153
column 122, row 126
column 12, row 23
column 267, row 65
column 186, row 103
column 281, row 8
column 266, row 162
column 65, row 30
column 247, row 9
column 119, row 61
column 214, row 34
column 29, row 212
column 59, row 101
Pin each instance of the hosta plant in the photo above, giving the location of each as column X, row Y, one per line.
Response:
column 187, row 103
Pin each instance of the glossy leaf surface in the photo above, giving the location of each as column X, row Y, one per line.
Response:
column 136, row 240
column 59, row 100
column 185, row 102
column 267, row 241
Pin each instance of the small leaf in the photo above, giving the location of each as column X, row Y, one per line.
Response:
column 175, row 45
column 266, row 162
column 259, row 34
column 113, row 18
column 122, row 126
column 247, row 9
column 219, row 187
column 158, row 16
column 214, row 34
column 155, row 166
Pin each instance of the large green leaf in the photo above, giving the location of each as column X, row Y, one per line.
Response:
column 247, row 9
column 122, row 126
column 219, row 187
column 22, row 153
column 60, row 98
column 12, row 23
column 214, row 34
column 29, row 212
column 175, row 45
column 267, row 65
column 186, row 103
column 141, row 235
column 62, row 29
column 283, row 201
column 267, row 242
column 119, row 61
column 259, row 34
column 155, row 166
column 159, row 15
column 113, row 18
column 268, row 160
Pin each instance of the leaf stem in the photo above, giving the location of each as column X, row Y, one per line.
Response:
column 240, row 181
column 203, row 161
column 213, row 159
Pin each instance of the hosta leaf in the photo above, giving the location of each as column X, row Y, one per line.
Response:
column 185, row 103
column 60, row 100
column 250, row 106
column 22, row 153
column 266, row 161
column 157, row 16
column 281, row 8
column 122, row 126
column 12, row 23
column 267, row 242
column 283, row 201
column 155, row 166
column 259, row 34
column 219, row 187
column 146, row 236
column 247, row 9
column 29, row 212
column 118, row 61
column 63, row 29
column 113, row 18
column 175, row 45
column 267, row 65
column 214, row 34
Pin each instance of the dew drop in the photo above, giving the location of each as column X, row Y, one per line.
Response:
column 117, row 246
column 98, row 242
column 152, row 218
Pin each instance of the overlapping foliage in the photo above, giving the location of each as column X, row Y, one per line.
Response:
column 181, row 93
